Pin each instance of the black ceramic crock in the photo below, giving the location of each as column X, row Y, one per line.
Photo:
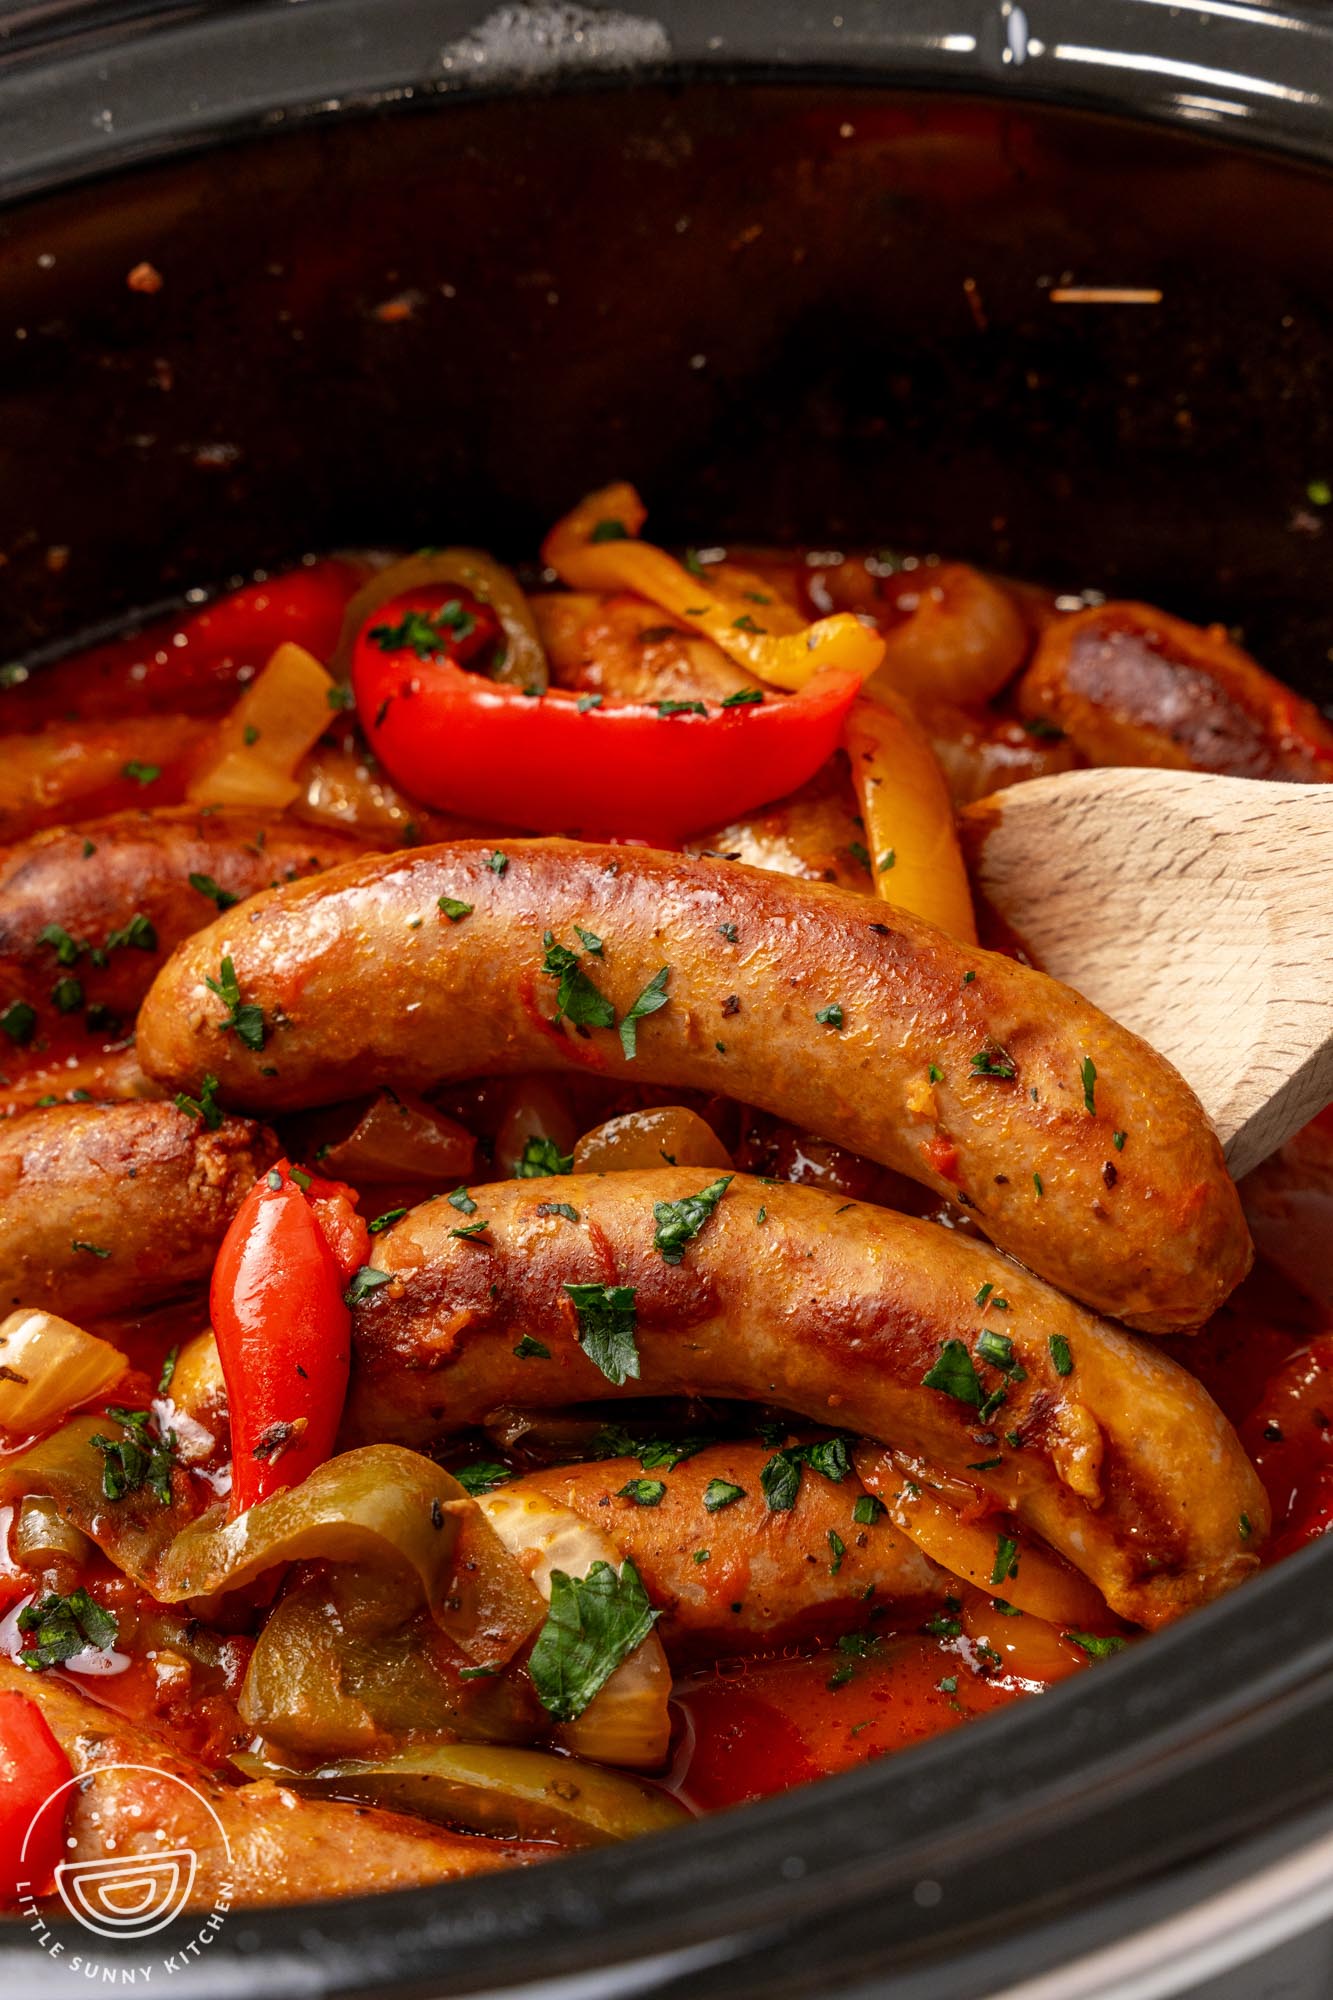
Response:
column 789, row 269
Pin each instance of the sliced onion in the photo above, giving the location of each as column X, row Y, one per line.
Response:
column 537, row 1108
column 524, row 662
column 1044, row 1584
column 255, row 749
column 489, row 1788
column 399, row 1138
column 49, row 1366
column 665, row 1135
column 42, row 1535
column 627, row 1723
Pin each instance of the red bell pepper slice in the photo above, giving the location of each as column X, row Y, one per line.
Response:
column 195, row 661
column 283, row 1331
column 32, row 1767
column 560, row 762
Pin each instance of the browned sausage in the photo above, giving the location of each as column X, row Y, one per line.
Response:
column 1130, row 685
column 87, row 914
column 273, row 1847
column 1108, row 1450
column 845, row 1017
column 107, row 1206
column 740, row 1575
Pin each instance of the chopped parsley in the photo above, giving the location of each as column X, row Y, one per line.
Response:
column 205, row 1106
column 497, row 861
column 387, row 1220
column 244, row 1016
column 67, row 995
column 1097, row 1648
column 868, row 1510
column 593, row 1624
column 576, row 998
column 472, row 1232
column 93, row 1249
column 781, row 1477
column 540, row 1158
column 590, row 941
column 609, row 531
column 364, row 1281
column 838, row 1548
column 743, row 698
column 142, row 1456
column 138, row 933
column 997, row 1348
column 427, row 634
column 993, row 1061
column 529, row 1349
column 1006, row 1560
column 720, row 1493
column 18, row 1021
column 643, row 1492
column 678, row 1222
column 587, row 701
column 64, row 1626
column 1088, row 1078
column 1118, row 1141
column 668, row 708
column 1061, row 1358
column 983, row 1294
column 66, row 951
column 462, row 1201
column 142, row 774
column 954, row 1374
column 212, row 892
column 607, row 1318
column 887, row 860
column 653, row 996
column 564, row 1208
column 483, row 1477
column 729, row 932
column 830, row 1016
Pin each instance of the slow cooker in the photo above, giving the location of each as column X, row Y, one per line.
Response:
column 797, row 271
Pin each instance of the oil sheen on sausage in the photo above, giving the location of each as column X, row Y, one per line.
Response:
column 1107, row 1450
column 1071, row 1143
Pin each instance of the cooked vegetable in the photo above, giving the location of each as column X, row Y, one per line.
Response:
column 33, row 1767
column 398, row 1138
column 556, row 761
column 283, row 1333
column 665, row 1135
column 48, row 1366
column 598, row 1666
column 506, row 646
column 911, row 841
column 484, row 1788
column 252, row 756
column 777, row 645
column 962, row 638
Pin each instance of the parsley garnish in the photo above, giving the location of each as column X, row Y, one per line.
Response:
column 643, row 1492
column 1088, row 1077
column 462, row 1201
column 387, row 1220
column 1094, row 1647
column 954, row 1375
column 1006, row 1560
column 64, row 1626
column 992, row 1061
column 720, row 1493
column 529, row 1349
column 576, row 998
column 668, row 708
column 829, row 1017
column 653, row 996
column 67, row 995
column 207, row 887
column 204, row 1106
column 366, row 1280
column 483, row 1477
column 729, row 932
column 1061, row 1358
column 244, row 1016
column 588, row 701
column 564, row 1208
column 67, row 952
column 668, row 1453
column 1118, row 1141
column 426, row 634
column 590, row 941
column 497, row 861
column 839, row 1549
column 542, row 1157
column 593, row 1624
column 781, row 1477
column 142, row 774
column 138, row 933
column 454, row 910
column 743, row 698
column 609, row 531
column 997, row 1348
column 142, row 1457
column 606, row 1325
column 678, row 1222
column 867, row 1510
column 18, row 1021
column 93, row 1249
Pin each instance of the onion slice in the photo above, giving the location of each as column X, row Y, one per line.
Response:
column 627, row 1722
column 49, row 1366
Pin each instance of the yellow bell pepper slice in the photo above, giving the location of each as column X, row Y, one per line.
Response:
column 596, row 547
column 908, row 815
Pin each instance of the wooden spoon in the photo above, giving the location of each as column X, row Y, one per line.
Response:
column 1198, row 911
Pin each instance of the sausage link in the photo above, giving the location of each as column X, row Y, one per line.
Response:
column 257, row 1844
column 1112, row 1453
column 849, row 1019
column 740, row 1575
column 104, row 1207
column 120, row 890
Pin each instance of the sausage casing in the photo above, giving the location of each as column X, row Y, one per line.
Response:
column 1071, row 1143
column 1099, row 1444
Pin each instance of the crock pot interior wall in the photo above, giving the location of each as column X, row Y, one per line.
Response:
column 750, row 299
